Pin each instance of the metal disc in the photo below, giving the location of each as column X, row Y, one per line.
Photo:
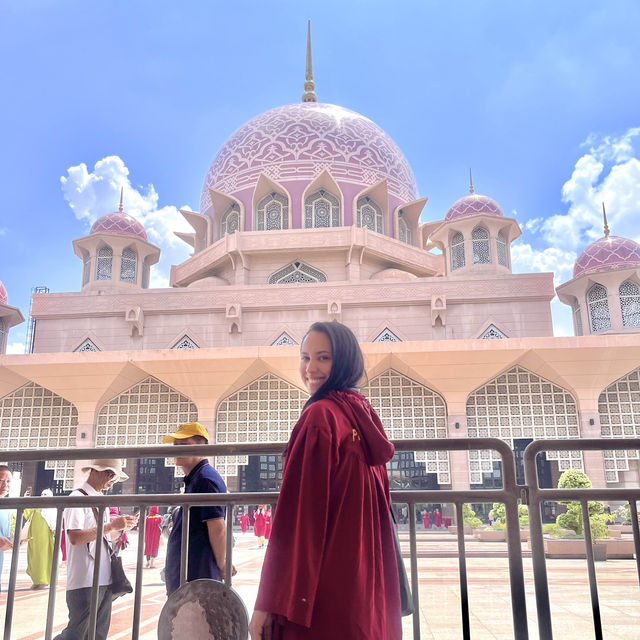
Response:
column 203, row 610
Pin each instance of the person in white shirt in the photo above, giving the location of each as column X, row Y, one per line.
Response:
column 81, row 527
column 5, row 524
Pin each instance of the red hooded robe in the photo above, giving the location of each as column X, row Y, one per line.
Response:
column 244, row 522
column 330, row 569
column 259, row 524
column 152, row 532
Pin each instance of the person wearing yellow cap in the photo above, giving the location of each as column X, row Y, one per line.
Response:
column 207, row 531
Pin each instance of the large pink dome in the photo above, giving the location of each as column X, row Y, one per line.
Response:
column 299, row 141
column 119, row 223
column 4, row 299
column 473, row 205
column 610, row 252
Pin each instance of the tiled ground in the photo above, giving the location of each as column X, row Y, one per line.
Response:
column 489, row 598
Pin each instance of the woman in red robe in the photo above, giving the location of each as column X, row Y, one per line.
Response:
column 330, row 569
column 152, row 535
column 267, row 524
column 244, row 522
column 259, row 526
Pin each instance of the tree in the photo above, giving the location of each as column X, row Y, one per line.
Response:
column 572, row 519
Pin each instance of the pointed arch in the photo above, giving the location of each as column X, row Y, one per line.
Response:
column 297, row 272
column 33, row 417
column 629, row 293
column 502, row 250
column 322, row 203
column 265, row 410
column 619, row 411
column 129, row 265
column 371, row 207
column 404, row 230
column 271, row 205
column 480, row 246
column 230, row 220
column 409, row 410
column 143, row 414
column 456, row 248
column 104, row 263
column 520, row 404
column 598, row 305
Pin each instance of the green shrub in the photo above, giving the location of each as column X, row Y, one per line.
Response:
column 572, row 519
column 469, row 517
column 499, row 514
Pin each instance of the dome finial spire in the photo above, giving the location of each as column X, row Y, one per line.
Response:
column 309, row 94
column 604, row 218
column 471, row 191
column 121, row 194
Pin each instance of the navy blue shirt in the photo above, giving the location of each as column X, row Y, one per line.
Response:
column 203, row 478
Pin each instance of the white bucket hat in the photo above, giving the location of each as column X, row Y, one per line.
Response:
column 110, row 464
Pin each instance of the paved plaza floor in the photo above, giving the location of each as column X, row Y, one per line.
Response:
column 489, row 596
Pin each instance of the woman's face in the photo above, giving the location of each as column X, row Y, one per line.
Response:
column 315, row 360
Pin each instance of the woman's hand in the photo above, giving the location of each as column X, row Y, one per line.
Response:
column 260, row 626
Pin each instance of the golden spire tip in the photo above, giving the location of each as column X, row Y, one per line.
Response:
column 604, row 217
column 309, row 94
column 121, row 194
column 471, row 191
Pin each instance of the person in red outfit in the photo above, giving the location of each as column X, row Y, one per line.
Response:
column 152, row 535
column 426, row 520
column 267, row 524
column 244, row 522
column 259, row 526
column 330, row 568
column 437, row 518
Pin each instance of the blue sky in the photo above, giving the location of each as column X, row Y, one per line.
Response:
column 541, row 99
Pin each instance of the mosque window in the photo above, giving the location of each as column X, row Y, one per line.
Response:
column 387, row 336
column 404, row 231
column 321, row 209
column 128, row 266
column 145, row 274
column 33, row 417
column 283, row 340
column 409, row 410
column 370, row 214
column 457, row 251
column 230, row 221
column 519, row 404
column 598, row 305
column 577, row 317
column 480, row 245
column 104, row 263
column 619, row 412
column 272, row 213
column 87, row 345
column 86, row 270
column 630, row 303
column 185, row 343
column 492, row 333
column 269, row 401
column 501, row 246
column 297, row 272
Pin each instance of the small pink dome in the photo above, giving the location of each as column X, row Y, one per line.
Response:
column 473, row 205
column 3, row 294
column 119, row 223
column 606, row 254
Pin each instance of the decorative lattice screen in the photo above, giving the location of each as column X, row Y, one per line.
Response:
column 520, row 404
column 619, row 408
column 33, row 417
column 409, row 410
column 143, row 415
column 387, row 336
column 266, row 410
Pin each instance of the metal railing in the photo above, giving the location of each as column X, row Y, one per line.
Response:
column 509, row 495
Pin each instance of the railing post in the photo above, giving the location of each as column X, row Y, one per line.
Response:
column 53, row 582
column 462, row 564
column 142, row 526
column 415, row 585
column 11, row 593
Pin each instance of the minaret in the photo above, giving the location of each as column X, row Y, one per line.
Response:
column 309, row 94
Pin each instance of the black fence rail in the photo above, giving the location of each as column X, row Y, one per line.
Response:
column 509, row 495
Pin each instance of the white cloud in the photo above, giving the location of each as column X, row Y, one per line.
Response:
column 15, row 348
column 608, row 173
column 92, row 194
column 3, row 231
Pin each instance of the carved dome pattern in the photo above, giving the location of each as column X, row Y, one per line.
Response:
column 608, row 253
column 4, row 298
column 119, row 223
column 473, row 205
column 299, row 141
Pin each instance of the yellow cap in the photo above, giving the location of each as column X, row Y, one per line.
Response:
column 187, row 430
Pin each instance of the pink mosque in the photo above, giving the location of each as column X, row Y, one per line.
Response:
column 310, row 212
